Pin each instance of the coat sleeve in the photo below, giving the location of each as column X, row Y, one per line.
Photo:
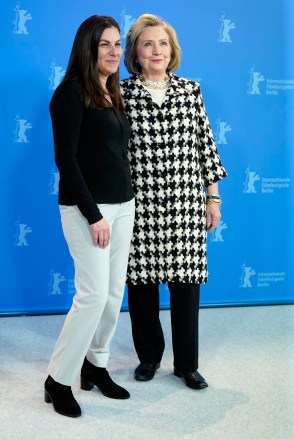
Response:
column 210, row 162
column 66, row 110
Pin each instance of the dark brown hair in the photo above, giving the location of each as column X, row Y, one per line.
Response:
column 82, row 64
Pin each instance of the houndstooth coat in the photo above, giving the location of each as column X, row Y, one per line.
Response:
column 173, row 158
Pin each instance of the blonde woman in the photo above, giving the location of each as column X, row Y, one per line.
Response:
column 175, row 168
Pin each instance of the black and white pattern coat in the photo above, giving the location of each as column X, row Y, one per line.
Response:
column 173, row 159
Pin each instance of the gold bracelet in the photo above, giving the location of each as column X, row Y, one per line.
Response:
column 213, row 195
column 211, row 200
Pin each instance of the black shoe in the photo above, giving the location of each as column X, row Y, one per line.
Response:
column 98, row 376
column 193, row 379
column 146, row 371
column 62, row 398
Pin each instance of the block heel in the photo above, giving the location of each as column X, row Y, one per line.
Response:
column 47, row 397
column 86, row 384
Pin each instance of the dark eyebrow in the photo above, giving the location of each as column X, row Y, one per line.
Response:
column 106, row 41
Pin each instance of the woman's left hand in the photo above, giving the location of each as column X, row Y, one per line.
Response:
column 213, row 216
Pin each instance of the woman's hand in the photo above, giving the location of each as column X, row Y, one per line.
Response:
column 100, row 233
column 213, row 216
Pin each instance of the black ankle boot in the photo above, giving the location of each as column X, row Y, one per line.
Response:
column 98, row 376
column 62, row 398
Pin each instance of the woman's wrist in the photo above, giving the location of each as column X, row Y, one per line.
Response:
column 213, row 198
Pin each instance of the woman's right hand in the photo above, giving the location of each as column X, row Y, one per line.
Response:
column 100, row 233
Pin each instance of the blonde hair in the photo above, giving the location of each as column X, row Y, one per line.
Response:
column 144, row 21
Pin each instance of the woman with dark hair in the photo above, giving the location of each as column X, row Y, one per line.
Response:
column 175, row 170
column 96, row 202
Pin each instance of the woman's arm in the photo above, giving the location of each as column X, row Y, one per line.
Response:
column 211, row 166
column 66, row 111
column 213, row 214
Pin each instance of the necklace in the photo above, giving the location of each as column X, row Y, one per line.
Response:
column 155, row 85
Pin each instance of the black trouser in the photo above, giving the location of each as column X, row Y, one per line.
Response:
column 146, row 327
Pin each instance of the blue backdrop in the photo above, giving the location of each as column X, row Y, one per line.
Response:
column 242, row 54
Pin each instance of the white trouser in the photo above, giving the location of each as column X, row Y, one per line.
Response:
column 100, row 276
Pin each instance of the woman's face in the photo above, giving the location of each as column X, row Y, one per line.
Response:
column 153, row 51
column 109, row 52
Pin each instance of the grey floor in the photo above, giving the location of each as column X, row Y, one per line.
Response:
column 246, row 355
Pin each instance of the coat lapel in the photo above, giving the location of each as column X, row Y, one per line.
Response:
column 132, row 88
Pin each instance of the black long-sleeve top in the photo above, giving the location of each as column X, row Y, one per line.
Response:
column 90, row 152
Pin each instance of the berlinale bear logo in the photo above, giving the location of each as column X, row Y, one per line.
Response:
column 225, row 29
column 20, row 235
column 247, row 273
column 126, row 23
column 55, row 281
column 57, row 73
column 251, row 178
column 222, row 128
column 22, row 16
column 255, row 79
column 22, row 125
